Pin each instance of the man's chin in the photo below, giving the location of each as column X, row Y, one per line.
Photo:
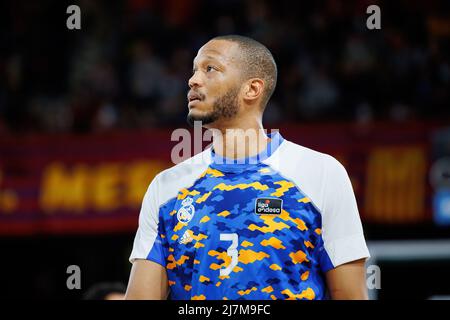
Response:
column 205, row 119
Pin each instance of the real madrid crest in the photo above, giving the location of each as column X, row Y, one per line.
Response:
column 186, row 212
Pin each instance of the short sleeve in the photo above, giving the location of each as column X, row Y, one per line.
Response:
column 342, row 232
column 147, row 242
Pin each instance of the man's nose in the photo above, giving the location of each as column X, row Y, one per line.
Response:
column 195, row 80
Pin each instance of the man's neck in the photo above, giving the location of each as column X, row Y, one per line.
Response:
column 240, row 141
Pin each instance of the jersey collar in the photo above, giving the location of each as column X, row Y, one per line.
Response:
column 237, row 165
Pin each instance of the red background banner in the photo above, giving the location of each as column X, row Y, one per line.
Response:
column 94, row 183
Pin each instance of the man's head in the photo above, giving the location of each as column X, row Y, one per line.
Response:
column 232, row 75
column 106, row 291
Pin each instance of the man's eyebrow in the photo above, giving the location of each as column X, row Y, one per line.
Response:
column 211, row 57
column 207, row 58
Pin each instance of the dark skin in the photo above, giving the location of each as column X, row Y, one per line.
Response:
column 217, row 70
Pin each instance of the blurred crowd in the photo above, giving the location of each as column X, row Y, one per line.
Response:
column 129, row 64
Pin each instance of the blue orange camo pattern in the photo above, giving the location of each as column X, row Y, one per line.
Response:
column 279, row 256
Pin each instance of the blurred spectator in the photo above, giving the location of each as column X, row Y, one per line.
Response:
column 106, row 291
column 145, row 73
column 318, row 95
column 129, row 65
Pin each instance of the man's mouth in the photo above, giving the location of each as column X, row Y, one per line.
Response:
column 194, row 96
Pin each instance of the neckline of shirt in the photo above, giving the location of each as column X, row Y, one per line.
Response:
column 237, row 165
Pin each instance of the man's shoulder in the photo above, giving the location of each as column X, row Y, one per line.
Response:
column 189, row 168
column 300, row 156
column 312, row 171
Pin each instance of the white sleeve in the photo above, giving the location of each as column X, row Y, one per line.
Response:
column 147, row 242
column 342, row 231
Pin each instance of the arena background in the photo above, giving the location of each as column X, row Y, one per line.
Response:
column 86, row 118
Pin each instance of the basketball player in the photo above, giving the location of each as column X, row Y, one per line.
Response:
column 267, row 220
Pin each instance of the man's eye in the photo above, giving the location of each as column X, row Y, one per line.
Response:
column 209, row 68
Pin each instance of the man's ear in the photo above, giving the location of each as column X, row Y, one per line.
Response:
column 253, row 90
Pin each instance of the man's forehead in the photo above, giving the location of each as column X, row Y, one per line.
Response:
column 222, row 50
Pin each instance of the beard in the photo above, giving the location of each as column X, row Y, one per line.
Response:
column 225, row 107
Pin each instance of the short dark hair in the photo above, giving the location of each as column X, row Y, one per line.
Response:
column 258, row 62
